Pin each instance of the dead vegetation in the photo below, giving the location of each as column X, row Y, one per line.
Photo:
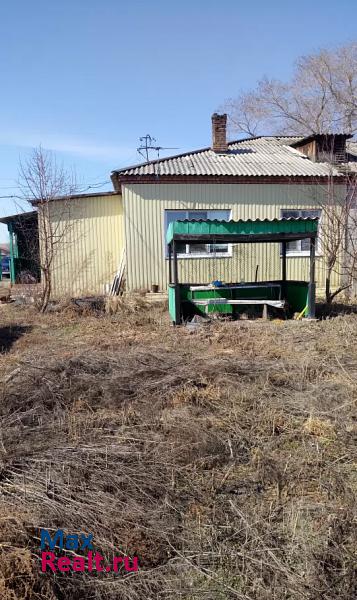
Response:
column 224, row 458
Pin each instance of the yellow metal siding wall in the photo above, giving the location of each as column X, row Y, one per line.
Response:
column 144, row 206
column 91, row 241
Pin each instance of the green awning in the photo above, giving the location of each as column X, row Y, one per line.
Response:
column 274, row 230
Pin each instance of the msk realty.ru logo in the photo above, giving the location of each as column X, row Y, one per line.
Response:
column 90, row 561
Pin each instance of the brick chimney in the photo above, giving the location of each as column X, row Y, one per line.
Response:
column 219, row 133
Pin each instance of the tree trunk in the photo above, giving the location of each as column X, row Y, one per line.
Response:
column 46, row 292
column 328, row 289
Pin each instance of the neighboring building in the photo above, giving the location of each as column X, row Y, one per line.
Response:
column 23, row 246
column 4, row 249
column 4, row 261
column 258, row 178
column 90, row 230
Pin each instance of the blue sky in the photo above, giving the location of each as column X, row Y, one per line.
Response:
column 87, row 78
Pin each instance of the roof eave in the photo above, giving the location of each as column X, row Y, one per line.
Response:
column 72, row 197
column 18, row 217
column 311, row 137
column 258, row 179
column 116, row 181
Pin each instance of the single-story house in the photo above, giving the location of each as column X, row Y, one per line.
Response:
column 265, row 177
column 257, row 178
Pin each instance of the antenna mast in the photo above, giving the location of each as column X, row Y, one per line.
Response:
column 147, row 143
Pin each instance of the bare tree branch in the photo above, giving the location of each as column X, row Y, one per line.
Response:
column 320, row 97
column 338, row 233
column 42, row 181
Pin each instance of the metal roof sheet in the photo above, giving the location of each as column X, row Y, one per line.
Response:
column 210, row 228
column 260, row 156
column 18, row 217
column 351, row 148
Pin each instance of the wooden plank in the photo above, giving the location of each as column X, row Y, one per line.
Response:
column 218, row 301
column 115, row 288
column 240, row 286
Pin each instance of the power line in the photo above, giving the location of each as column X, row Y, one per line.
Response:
column 93, row 186
column 79, row 191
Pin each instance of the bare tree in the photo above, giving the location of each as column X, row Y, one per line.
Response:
column 246, row 113
column 320, row 97
column 42, row 181
column 349, row 240
column 338, row 232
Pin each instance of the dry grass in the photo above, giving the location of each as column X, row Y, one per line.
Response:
column 224, row 458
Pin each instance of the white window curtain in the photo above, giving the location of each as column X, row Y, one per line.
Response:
column 299, row 247
column 198, row 250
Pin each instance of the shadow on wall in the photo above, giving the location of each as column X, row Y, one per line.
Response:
column 84, row 277
column 9, row 335
column 79, row 276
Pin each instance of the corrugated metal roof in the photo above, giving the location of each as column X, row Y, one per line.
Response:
column 257, row 227
column 19, row 217
column 352, row 149
column 261, row 156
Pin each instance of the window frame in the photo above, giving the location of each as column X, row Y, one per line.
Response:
column 302, row 253
column 188, row 255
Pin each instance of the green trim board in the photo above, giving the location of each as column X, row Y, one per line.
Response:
column 232, row 231
column 172, row 302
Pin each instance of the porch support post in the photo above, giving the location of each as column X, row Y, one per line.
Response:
column 312, row 284
column 12, row 253
column 170, row 264
column 283, row 269
column 174, row 247
column 176, row 284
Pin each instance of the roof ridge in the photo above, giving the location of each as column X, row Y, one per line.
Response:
column 188, row 153
column 271, row 155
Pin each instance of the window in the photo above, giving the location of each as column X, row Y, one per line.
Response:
column 300, row 247
column 198, row 250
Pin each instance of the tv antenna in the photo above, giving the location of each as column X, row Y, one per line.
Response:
column 147, row 143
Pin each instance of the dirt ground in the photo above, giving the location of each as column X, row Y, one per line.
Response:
column 224, row 456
